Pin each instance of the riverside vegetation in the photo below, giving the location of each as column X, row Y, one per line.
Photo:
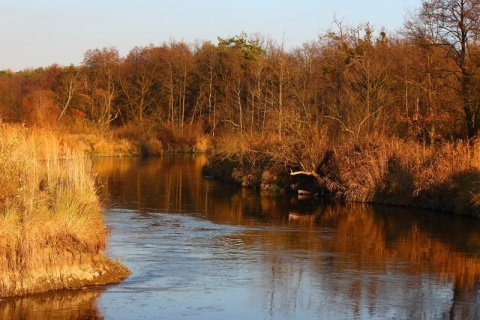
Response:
column 443, row 177
column 52, row 233
column 357, row 114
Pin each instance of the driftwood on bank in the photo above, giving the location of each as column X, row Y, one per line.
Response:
column 324, row 183
column 307, row 173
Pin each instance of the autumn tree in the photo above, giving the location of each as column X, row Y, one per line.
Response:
column 355, row 71
column 281, row 72
column 40, row 108
column 67, row 88
column 258, row 83
column 232, row 80
column 38, row 100
column 177, row 79
column 101, row 77
column 10, row 95
column 138, row 79
column 335, row 54
column 207, row 61
column 366, row 86
column 307, row 82
column 237, row 55
column 455, row 25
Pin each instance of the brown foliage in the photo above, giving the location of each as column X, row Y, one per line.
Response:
column 380, row 170
column 40, row 108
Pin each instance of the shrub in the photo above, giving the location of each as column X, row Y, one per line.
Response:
column 153, row 147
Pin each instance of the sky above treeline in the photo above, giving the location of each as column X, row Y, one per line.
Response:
column 39, row 33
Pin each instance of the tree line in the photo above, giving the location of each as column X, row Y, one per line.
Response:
column 420, row 82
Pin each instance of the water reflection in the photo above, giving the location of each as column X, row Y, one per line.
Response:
column 329, row 261
column 170, row 184
column 70, row 304
column 203, row 250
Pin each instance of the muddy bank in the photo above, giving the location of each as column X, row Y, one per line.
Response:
column 65, row 272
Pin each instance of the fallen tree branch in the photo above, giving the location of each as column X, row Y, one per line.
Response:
column 323, row 182
column 307, row 173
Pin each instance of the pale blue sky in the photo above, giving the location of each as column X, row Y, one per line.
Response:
column 35, row 33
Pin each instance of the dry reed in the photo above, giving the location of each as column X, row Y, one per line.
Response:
column 387, row 170
column 407, row 173
column 50, row 213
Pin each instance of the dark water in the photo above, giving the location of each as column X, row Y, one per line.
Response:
column 199, row 249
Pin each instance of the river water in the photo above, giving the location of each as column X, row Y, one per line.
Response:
column 200, row 249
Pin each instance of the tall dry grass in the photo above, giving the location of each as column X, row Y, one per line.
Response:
column 387, row 170
column 49, row 209
column 443, row 177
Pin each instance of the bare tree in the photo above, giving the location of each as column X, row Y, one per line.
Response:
column 207, row 62
column 455, row 25
column 101, row 75
column 137, row 81
column 69, row 85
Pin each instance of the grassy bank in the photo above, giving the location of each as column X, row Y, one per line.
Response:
column 134, row 140
column 52, row 233
column 443, row 176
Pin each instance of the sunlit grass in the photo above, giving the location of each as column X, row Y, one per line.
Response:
column 48, row 205
column 442, row 176
column 408, row 173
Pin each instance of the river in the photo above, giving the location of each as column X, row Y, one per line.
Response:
column 200, row 249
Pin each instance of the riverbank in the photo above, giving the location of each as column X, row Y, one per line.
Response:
column 442, row 177
column 132, row 140
column 52, row 233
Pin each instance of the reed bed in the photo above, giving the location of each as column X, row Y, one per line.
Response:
column 443, row 176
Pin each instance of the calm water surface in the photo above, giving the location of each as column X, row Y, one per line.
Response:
column 199, row 249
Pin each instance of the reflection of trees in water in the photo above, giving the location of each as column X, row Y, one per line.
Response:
column 320, row 244
column 165, row 183
column 388, row 257
column 374, row 247
column 74, row 304
column 416, row 244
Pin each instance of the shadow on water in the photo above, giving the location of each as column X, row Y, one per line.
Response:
column 200, row 249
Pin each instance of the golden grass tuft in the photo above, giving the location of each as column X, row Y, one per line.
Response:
column 48, row 206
